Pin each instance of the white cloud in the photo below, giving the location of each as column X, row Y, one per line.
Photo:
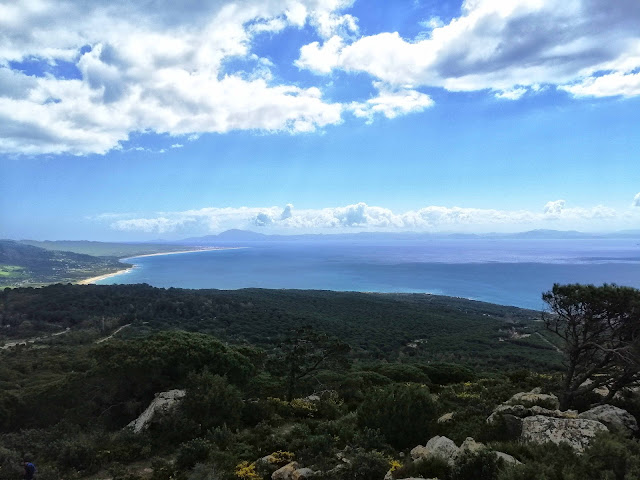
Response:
column 503, row 46
column 361, row 216
column 392, row 102
column 177, row 145
column 636, row 200
column 511, row 94
column 554, row 208
column 159, row 70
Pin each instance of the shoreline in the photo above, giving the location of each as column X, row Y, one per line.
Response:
column 203, row 249
column 92, row 280
column 97, row 278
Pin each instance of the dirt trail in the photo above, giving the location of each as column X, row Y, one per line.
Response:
column 546, row 340
column 111, row 336
column 32, row 340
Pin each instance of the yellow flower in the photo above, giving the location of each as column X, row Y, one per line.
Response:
column 247, row 471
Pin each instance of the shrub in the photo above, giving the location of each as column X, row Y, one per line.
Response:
column 433, row 467
column 484, row 465
column 192, row 452
column 404, row 413
column 367, row 466
column 212, row 402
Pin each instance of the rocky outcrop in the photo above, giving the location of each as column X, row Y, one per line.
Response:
column 286, row 472
column 521, row 411
column 293, row 471
column 441, row 447
column 447, row 417
column 446, row 449
column 162, row 404
column 533, row 398
column 303, row 474
column 614, row 418
column 576, row 432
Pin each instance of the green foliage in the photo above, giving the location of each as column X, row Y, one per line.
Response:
column 366, row 466
column 211, row 401
column 192, row 452
column 303, row 353
column 448, row 373
column 599, row 330
column 404, row 413
column 400, row 372
column 483, row 465
column 433, row 467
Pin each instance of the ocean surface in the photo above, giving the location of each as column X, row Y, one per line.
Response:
column 503, row 271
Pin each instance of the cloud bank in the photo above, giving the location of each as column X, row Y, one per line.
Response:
column 589, row 48
column 363, row 217
column 112, row 68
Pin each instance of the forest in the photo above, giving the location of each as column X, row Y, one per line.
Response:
column 330, row 385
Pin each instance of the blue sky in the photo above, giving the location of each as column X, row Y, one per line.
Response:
column 317, row 116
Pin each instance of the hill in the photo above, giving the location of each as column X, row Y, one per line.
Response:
column 104, row 249
column 22, row 264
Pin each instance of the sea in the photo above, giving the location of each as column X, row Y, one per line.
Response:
column 503, row 271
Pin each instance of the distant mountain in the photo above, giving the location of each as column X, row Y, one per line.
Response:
column 551, row 234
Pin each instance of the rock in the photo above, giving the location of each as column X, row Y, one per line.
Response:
column 302, row 474
column 471, row 446
column 576, row 432
column 438, row 446
column 508, row 459
column 614, row 418
column 161, row 405
column 535, row 397
column 447, row 417
column 286, row 472
column 521, row 411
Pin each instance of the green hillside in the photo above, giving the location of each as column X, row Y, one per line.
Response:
column 105, row 249
column 22, row 265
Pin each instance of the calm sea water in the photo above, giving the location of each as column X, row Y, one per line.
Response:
column 508, row 272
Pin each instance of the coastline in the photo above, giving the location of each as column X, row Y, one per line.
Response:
column 92, row 280
column 204, row 249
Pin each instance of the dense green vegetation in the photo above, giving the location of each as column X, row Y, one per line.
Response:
column 371, row 378
column 22, row 264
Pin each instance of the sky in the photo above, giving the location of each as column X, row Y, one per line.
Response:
column 144, row 120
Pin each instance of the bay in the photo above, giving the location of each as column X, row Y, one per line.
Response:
column 503, row 271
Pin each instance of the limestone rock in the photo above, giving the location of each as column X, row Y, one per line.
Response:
column 614, row 418
column 447, row 417
column 286, row 472
column 471, row 446
column 508, row 459
column 438, row 446
column 162, row 404
column 535, row 397
column 521, row 411
column 576, row 432
column 302, row 474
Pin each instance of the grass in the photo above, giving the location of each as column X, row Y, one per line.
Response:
column 10, row 271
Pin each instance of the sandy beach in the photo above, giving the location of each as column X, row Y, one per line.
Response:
column 204, row 249
column 88, row 281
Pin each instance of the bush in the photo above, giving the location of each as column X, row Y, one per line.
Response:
column 484, row 465
column 192, row 452
column 404, row 413
column 366, row 466
column 212, row 402
column 434, row 467
column 447, row 373
column 401, row 372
